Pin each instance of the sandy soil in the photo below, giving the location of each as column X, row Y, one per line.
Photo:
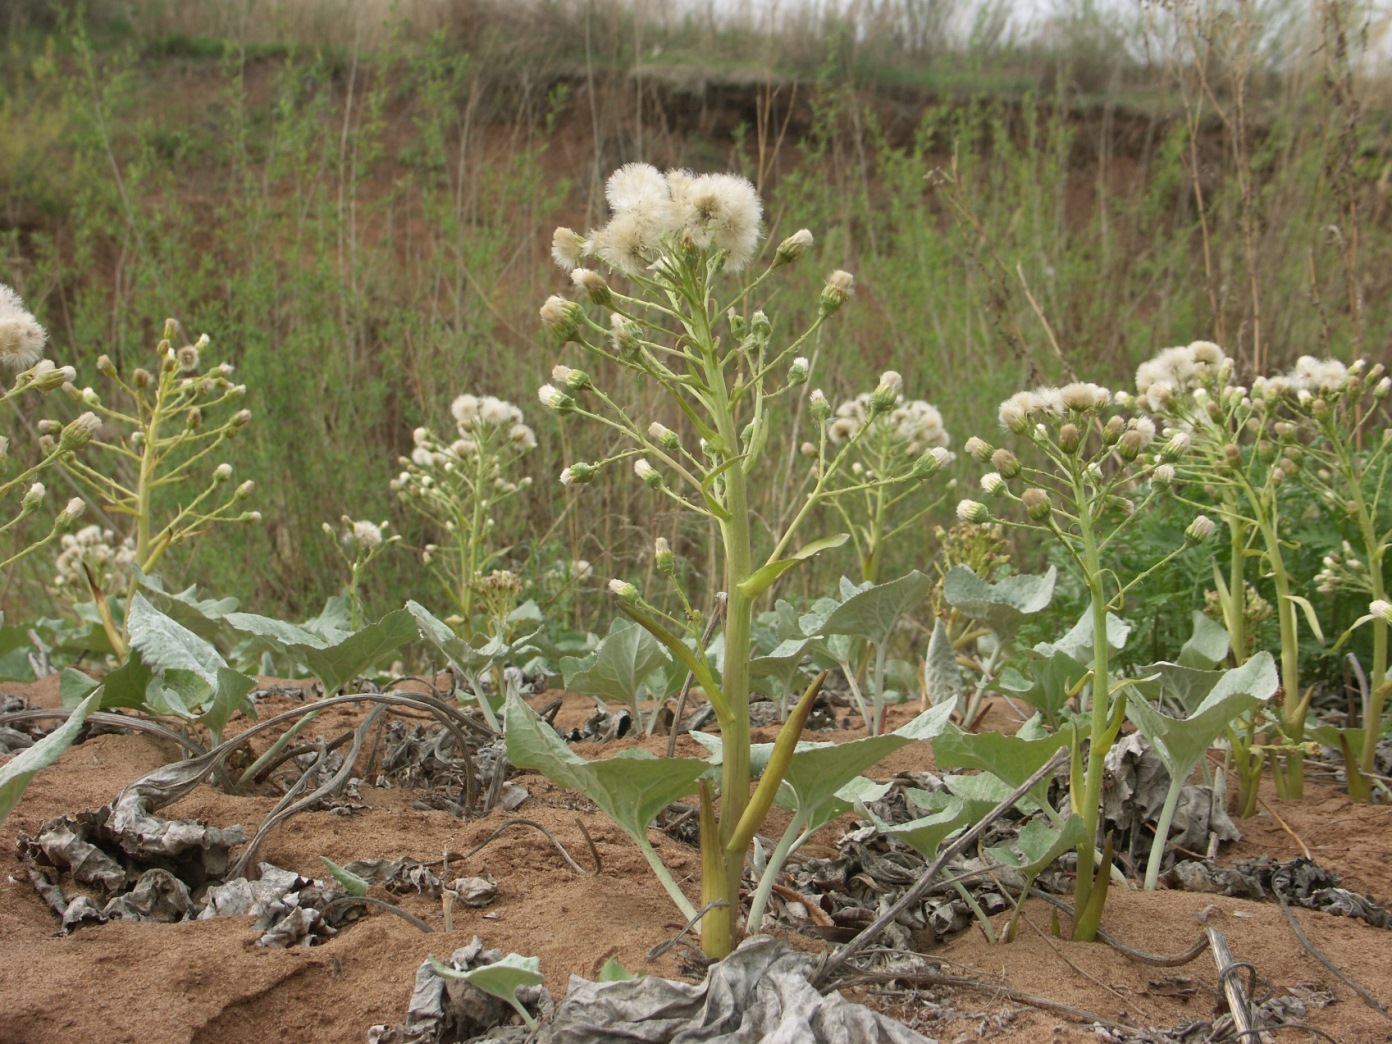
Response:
column 207, row 981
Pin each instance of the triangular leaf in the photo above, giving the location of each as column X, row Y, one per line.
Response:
column 16, row 773
column 1001, row 606
column 873, row 613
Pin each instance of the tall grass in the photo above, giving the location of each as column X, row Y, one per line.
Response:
column 358, row 209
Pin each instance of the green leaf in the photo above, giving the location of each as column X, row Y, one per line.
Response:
column 1001, row 606
column 926, row 833
column 625, row 659
column 1207, row 647
column 339, row 664
column 503, row 978
column 763, row 578
column 1181, row 742
column 74, row 686
column 1049, row 684
column 631, row 789
column 773, row 674
column 14, row 654
column 1013, row 758
column 1077, row 643
column 872, row 613
column 932, row 722
column 1040, row 843
column 189, row 664
column 351, row 882
column 942, row 677
column 16, row 773
column 228, row 698
column 613, row 971
column 1310, row 617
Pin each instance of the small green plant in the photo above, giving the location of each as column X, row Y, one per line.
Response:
column 358, row 543
column 460, row 485
column 1334, row 411
column 1091, row 457
column 873, row 513
column 724, row 376
column 159, row 443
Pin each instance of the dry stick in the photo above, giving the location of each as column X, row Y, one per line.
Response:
column 1158, row 960
column 830, row 965
column 662, row 947
column 928, row 978
column 338, row 779
column 1228, row 970
column 1282, row 824
column 380, row 903
column 119, row 721
column 716, row 614
column 550, row 836
column 1367, row 997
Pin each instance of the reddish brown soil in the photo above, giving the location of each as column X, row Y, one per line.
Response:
column 207, row 981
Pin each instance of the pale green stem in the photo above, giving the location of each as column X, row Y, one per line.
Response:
column 793, row 838
column 1162, row 833
column 668, row 883
column 276, row 748
column 1100, row 710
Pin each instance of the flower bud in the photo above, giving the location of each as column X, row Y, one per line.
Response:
column 798, row 372
column 625, row 335
column 79, row 432
column 1380, row 609
column 141, row 378
column 664, row 437
column 623, row 590
column 47, row 378
column 562, row 318
column 1381, row 389
column 760, row 326
column 187, row 358
column 886, row 393
column 1163, row 476
column 992, row 484
column 980, row 450
column 739, row 326
column 663, row 557
column 240, row 419
column 32, row 498
column 839, row 286
column 1232, row 456
column 105, row 366
column 1131, row 444
column 555, row 400
column 818, row 404
column 1037, row 504
column 571, row 379
column 250, row 517
column 4, row 446
column 1070, row 438
column 650, row 476
column 1199, row 530
column 567, row 247
column 594, row 286
column 792, row 248
column 973, row 511
column 244, row 490
column 68, row 517
column 1005, row 462
column 1111, row 431
column 931, row 462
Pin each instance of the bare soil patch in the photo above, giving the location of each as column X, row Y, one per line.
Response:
column 208, row 981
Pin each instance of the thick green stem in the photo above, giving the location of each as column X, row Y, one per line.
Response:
column 1162, row 834
column 1100, row 719
column 1237, row 589
column 1292, row 776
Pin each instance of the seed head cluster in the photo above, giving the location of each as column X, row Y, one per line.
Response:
column 653, row 211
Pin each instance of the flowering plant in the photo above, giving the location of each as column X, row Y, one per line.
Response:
column 22, row 342
column 154, row 437
column 722, row 370
column 358, row 543
column 1093, row 457
column 460, row 484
